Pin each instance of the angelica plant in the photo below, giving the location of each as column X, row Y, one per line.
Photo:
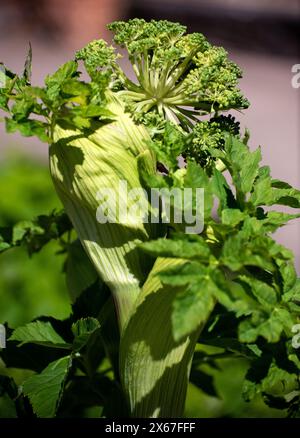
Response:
column 149, row 294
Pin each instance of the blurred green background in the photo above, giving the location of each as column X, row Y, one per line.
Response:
column 31, row 287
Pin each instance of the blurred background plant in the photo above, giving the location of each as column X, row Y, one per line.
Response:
column 261, row 36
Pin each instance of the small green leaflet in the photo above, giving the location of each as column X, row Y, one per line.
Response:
column 55, row 82
column 45, row 389
column 271, row 192
column 288, row 274
column 276, row 219
column 82, row 330
column 39, row 333
column 242, row 164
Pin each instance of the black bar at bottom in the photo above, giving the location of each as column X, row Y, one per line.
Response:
column 140, row 427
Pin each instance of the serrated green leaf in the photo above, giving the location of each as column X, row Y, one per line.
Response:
column 276, row 219
column 278, row 184
column 73, row 87
column 221, row 189
column 197, row 249
column 55, row 82
column 288, row 275
column 192, row 307
column 262, row 193
column 23, row 107
column 28, row 128
column 243, row 164
column 44, row 390
column 231, row 294
column 249, row 247
column 265, row 294
column 38, row 332
column 232, row 216
column 182, row 275
column 82, row 330
column 231, row 254
column 249, row 170
column 267, row 193
column 30, row 356
column 294, row 293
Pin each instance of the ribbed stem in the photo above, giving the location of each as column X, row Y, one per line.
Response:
column 154, row 367
column 81, row 167
column 124, row 300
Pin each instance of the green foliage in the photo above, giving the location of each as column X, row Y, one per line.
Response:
column 44, row 390
column 37, row 332
column 34, row 235
column 63, row 343
column 235, row 262
column 82, row 331
column 233, row 289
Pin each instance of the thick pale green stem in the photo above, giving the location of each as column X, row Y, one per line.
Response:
column 83, row 165
column 154, row 367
